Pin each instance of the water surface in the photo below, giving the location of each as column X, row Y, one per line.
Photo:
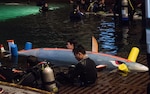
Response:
column 53, row 29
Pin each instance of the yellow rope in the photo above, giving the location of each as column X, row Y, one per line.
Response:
column 91, row 4
column 131, row 4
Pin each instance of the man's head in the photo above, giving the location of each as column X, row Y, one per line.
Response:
column 32, row 61
column 71, row 43
column 79, row 52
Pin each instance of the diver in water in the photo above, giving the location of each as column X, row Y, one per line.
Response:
column 44, row 8
column 102, row 6
column 95, row 6
column 76, row 15
column 71, row 43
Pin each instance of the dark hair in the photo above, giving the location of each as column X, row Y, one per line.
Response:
column 75, row 6
column 78, row 49
column 72, row 41
column 32, row 60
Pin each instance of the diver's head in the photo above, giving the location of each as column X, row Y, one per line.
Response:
column 32, row 61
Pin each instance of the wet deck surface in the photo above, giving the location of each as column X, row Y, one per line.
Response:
column 10, row 88
column 113, row 83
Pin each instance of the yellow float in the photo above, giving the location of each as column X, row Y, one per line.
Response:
column 133, row 54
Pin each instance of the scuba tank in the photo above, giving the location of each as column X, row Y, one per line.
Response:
column 49, row 79
column 124, row 10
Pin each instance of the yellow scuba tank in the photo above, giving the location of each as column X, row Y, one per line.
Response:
column 49, row 79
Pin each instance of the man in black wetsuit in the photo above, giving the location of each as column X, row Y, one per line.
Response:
column 85, row 70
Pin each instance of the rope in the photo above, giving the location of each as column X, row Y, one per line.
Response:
column 91, row 4
column 131, row 4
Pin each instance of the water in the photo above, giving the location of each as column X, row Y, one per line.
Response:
column 51, row 30
column 54, row 29
column 13, row 11
column 107, row 37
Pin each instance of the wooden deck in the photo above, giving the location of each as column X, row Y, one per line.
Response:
column 11, row 88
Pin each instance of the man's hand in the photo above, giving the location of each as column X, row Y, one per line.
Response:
column 16, row 71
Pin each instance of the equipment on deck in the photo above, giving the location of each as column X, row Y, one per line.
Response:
column 49, row 79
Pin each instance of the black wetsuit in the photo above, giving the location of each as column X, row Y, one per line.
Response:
column 75, row 16
column 6, row 74
column 31, row 77
column 44, row 9
column 86, row 71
